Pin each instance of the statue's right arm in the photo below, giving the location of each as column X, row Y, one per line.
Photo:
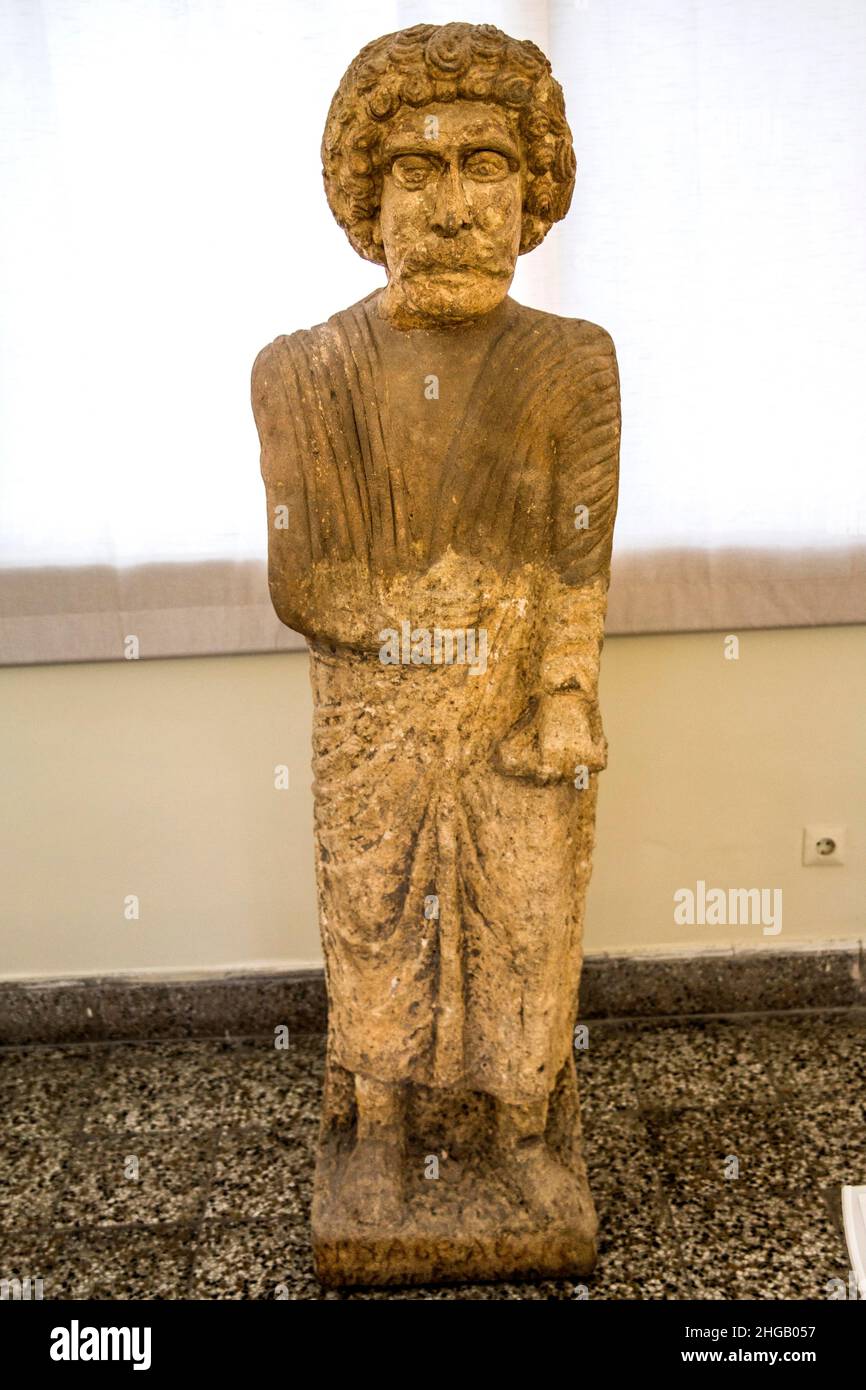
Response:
column 289, row 556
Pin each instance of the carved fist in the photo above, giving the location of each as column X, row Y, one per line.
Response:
column 563, row 734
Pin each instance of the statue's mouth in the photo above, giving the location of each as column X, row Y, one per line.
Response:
column 458, row 271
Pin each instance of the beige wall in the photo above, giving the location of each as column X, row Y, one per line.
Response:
column 157, row 779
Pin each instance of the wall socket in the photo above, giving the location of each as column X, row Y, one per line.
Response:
column 824, row 845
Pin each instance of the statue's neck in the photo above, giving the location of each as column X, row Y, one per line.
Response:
column 392, row 308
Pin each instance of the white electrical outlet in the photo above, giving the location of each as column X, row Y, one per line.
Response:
column 824, row 844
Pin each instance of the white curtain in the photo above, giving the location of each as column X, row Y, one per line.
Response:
column 164, row 218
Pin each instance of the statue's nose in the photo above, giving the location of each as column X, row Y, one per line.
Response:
column 451, row 211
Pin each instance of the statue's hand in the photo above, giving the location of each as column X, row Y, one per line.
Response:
column 562, row 737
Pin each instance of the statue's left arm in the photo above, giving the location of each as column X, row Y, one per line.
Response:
column 562, row 733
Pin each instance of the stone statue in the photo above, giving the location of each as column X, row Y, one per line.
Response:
column 441, row 472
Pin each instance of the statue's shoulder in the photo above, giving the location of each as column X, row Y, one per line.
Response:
column 581, row 384
column 267, row 373
column 281, row 347
column 318, row 342
column 575, row 335
column 266, row 380
column 272, row 374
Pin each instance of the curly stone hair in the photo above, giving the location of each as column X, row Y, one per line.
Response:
column 437, row 63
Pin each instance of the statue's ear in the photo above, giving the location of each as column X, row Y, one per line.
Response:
column 366, row 239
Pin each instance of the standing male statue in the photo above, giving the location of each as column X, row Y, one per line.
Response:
column 448, row 461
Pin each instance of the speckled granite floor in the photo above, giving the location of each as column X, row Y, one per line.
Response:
column 221, row 1135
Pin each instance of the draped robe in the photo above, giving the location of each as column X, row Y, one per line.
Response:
column 450, row 893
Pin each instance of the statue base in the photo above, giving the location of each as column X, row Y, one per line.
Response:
column 462, row 1219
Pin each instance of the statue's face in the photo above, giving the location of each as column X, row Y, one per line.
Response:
column 451, row 211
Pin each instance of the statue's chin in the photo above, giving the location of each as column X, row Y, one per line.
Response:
column 454, row 296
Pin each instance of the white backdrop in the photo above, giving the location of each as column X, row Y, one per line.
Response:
column 164, row 218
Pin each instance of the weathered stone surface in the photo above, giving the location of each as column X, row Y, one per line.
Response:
column 441, row 472
column 464, row 1213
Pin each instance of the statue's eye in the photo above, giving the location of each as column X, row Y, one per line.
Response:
column 411, row 170
column 486, row 166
